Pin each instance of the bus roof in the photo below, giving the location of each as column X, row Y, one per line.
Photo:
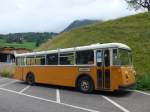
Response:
column 80, row 48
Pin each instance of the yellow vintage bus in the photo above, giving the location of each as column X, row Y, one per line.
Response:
column 105, row 66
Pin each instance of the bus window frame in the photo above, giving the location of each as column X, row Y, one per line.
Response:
column 74, row 54
column 129, row 61
column 45, row 55
column 34, row 57
column 102, row 60
column 94, row 57
column 118, row 55
column 52, row 64
column 42, row 55
column 59, row 53
column 29, row 60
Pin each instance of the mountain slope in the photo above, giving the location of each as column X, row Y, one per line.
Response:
column 132, row 30
column 79, row 23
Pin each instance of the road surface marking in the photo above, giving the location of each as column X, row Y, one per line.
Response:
column 116, row 104
column 5, row 84
column 141, row 92
column 39, row 98
column 24, row 89
column 137, row 91
column 57, row 96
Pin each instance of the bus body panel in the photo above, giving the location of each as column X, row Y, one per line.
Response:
column 18, row 73
column 115, row 77
column 128, row 76
column 56, row 75
column 67, row 75
column 122, row 77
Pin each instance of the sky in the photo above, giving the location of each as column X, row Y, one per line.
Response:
column 55, row 15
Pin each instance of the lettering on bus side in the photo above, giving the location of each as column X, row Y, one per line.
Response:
column 84, row 69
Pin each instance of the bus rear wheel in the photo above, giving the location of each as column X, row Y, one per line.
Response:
column 30, row 79
column 85, row 84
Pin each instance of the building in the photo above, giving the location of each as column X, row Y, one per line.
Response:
column 7, row 59
column 7, row 53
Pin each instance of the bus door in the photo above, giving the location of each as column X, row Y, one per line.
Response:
column 103, row 68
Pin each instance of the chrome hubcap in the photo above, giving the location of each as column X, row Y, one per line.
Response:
column 84, row 85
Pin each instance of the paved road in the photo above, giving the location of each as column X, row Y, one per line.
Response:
column 16, row 96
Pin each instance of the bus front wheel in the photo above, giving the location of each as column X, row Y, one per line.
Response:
column 30, row 79
column 85, row 84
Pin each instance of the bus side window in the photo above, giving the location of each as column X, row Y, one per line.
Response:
column 52, row 59
column 85, row 57
column 107, row 58
column 40, row 60
column 99, row 58
column 28, row 61
column 115, row 57
column 22, row 61
column 67, row 59
column 32, row 61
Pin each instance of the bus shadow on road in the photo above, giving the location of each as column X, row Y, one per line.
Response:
column 55, row 87
column 118, row 93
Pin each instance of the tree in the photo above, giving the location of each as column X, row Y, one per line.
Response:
column 37, row 43
column 137, row 4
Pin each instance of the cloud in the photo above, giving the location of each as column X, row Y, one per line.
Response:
column 55, row 15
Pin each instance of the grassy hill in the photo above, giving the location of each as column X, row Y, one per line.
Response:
column 132, row 30
column 79, row 23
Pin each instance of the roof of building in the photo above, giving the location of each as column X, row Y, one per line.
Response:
column 11, row 50
column 88, row 47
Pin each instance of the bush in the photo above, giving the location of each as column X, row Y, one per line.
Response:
column 143, row 82
column 6, row 74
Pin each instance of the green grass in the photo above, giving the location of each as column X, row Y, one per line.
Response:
column 29, row 45
column 132, row 30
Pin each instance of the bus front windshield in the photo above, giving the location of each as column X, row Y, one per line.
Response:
column 122, row 57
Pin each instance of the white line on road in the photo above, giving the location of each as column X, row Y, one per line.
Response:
column 137, row 91
column 24, row 89
column 141, row 92
column 39, row 98
column 116, row 104
column 57, row 96
column 5, row 84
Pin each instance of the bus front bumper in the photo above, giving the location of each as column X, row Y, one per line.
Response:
column 130, row 86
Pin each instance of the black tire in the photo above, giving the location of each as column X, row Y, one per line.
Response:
column 85, row 84
column 30, row 79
